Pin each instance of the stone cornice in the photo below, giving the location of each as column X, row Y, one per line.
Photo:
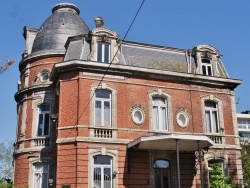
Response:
column 41, row 55
column 118, row 69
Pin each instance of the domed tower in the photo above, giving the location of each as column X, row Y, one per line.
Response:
column 35, row 141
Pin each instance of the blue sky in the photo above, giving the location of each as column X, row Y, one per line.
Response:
column 223, row 24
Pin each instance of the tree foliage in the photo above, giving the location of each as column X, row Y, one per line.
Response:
column 5, row 184
column 217, row 177
column 6, row 158
column 245, row 159
column 3, row 68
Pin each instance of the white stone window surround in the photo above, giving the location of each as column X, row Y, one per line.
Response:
column 104, row 35
column 169, row 117
column 113, row 91
column 36, row 160
column 218, row 102
column 40, row 98
column 217, row 156
column 210, row 53
column 138, row 114
column 99, row 150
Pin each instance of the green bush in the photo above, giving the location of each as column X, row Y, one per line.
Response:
column 217, row 177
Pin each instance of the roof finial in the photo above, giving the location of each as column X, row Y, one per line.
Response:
column 98, row 21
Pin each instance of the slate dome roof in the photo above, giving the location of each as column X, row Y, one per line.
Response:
column 63, row 23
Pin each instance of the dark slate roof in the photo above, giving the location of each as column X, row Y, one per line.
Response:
column 63, row 23
column 156, row 57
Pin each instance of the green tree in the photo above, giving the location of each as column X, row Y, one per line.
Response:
column 3, row 68
column 5, row 184
column 6, row 159
column 217, row 177
column 245, row 159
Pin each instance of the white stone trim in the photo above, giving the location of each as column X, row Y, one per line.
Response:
column 112, row 152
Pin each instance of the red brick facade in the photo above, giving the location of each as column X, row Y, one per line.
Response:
column 74, row 140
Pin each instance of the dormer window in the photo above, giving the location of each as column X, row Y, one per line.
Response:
column 103, row 52
column 206, row 67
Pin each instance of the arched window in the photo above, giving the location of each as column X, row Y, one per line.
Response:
column 43, row 127
column 40, row 175
column 160, row 110
column 102, row 108
column 212, row 117
column 161, row 173
column 103, row 172
column 159, row 113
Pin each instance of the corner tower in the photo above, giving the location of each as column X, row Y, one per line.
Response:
column 36, row 101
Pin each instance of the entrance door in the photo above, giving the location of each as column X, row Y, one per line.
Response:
column 161, row 173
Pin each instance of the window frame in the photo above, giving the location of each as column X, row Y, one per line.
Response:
column 207, row 65
column 43, row 171
column 113, row 114
column 168, row 98
column 43, row 113
column 218, row 101
column 102, row 168
column 101, row 53
column 102, row 110
column 161, row 123
column 213, row 115
column 98, row 150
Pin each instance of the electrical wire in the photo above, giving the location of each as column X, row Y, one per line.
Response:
column 119, row 47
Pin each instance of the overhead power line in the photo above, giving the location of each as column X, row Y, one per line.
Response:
column 119, row 47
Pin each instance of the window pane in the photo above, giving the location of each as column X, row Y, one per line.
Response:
column 106, row 52
column 205, row 61
column 208, row 121
column 37, row 180
column 161, row 164
column 102, row 159
column 157, row 179
column 106, row 113
column 159, row 101
column 97, row 177
column 44, row 180
column 215, row 123
column 44, row 108
column 102, row 94
column 40, row 125
column 97, row 112
column 155, row 118
column 99, row 51
column 107, row 178
column 209, row 70
column 204, row 71
column 46, row 125
column 163, row 118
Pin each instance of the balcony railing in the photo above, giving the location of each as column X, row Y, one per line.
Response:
column 40, row 142
column 217, row 139
column 99, row 132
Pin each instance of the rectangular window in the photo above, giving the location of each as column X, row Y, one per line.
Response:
column 103, row 52
column 43, row 120
column 207, row 67
column 103, row 108
column 159, row 114
column 211, row 116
